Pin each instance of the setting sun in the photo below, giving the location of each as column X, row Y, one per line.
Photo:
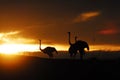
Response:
column 16, row 48
column 12, row 43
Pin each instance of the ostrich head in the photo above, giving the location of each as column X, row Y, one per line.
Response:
column 68, row 32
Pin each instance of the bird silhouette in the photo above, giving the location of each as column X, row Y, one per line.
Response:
column 48, row 50
column 72, row 49
column 78, row 46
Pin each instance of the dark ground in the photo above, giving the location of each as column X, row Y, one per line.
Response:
column 35, row 68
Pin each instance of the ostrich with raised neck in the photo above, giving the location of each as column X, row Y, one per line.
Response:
column 48, row 50
column 79, row 45
column 72, row 49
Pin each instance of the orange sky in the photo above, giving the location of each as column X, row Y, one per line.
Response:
column 25, row 22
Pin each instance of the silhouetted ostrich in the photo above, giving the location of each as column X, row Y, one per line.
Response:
column 79, row 45
column 72, row 49
column 48, row 50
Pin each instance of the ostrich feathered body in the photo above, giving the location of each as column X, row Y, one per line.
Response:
column 49, row 50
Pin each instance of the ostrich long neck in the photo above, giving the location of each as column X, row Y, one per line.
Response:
column 69, row 36
column 75, row 39
column 40, row 45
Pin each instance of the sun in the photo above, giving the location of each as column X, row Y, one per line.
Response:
column 12, row 43
column 9, row 49
column 17, row 48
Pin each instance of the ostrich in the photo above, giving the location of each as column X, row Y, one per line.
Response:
column 79, row 45
column 72, row 49
column 48, row 50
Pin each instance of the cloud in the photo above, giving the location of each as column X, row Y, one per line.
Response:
column 109, row 29
column 13, row 37
column 86, row 16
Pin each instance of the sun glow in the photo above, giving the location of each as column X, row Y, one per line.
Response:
column 104, row 47
column 12, row 43
column 16, row 48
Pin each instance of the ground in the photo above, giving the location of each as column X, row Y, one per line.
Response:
column 35, row 68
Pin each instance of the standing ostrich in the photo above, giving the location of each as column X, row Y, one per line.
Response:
column 79, row 45
column 48, row 50
column 72, row 49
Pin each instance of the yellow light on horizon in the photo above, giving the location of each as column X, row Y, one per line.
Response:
column 104, row 47
column 16, row 48
column 12, row 43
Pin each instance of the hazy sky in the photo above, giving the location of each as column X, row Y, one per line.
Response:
column 95, row 21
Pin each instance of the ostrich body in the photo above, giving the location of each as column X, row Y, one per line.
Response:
column 48, row 50
column 79, row 45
